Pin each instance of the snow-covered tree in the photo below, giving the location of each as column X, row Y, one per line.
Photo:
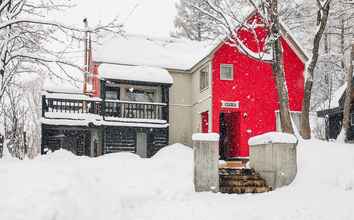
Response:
column 31, row 44
column 192, row 24
column 14, row 118
column 26, row 36
column 332, row 60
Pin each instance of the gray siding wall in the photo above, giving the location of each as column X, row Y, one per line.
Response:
column 181, row 109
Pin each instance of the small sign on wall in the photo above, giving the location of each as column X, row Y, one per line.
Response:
column 226, row 104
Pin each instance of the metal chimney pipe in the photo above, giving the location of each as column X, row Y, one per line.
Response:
column 86, row 69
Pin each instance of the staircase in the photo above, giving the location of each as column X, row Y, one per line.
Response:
column 235, row 178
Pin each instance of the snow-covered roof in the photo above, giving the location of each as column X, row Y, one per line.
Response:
column 62, row 86
column 334, row 100
column 70, row 96
column 135, row 73
column 170, row 53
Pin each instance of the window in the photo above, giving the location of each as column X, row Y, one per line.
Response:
column 204, row 78
column 137, row 95
column 226, row 72
column 112, row 93
column 352, row 119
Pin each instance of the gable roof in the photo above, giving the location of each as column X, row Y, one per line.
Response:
column 337, row 102
column 338, row 95
column 171, row 53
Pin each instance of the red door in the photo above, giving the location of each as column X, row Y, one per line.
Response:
column 205, row 122
column 229, row 135
column 235, row 134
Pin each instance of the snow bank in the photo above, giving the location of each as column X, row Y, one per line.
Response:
column 59, row 155
column 122, row 186
column 121, row 156
column 176, row 151
column 273, row 137
column 205, row 137
column 135, row 73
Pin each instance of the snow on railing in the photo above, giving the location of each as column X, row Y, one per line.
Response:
column 106, row 108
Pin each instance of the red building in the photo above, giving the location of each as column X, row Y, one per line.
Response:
column 252, row 91
column 199, row 86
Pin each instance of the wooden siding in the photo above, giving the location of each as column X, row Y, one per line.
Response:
column 76, row 140
column 118, row 139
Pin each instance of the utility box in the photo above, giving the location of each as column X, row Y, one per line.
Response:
column 206, row 162
column 273, row 156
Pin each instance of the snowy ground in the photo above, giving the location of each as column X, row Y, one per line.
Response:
column 123, row 187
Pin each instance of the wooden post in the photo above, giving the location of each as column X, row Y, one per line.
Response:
column 1, row 145
column 25, row 143
column 44, row 106
column 206, row 162
column 103, row 98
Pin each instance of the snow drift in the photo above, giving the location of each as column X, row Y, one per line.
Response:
column 62, row 186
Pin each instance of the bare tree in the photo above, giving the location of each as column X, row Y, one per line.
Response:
column 192, row 24
column 14, row 113
column 33, row 99
column 322, row 19
column 26, row 47
column 348, row 99
column 25, row 35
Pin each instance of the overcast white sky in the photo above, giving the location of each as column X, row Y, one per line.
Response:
column 148, row 17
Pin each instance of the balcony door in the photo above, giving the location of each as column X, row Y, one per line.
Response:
column 140, row 95
column 112, row 93
column 112, row 108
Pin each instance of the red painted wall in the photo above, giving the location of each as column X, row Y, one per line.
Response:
column 253, row 85
column 95, row 81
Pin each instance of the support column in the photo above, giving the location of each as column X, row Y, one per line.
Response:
column 206, row 162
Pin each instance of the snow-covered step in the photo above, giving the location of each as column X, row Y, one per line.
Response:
column 232, row 165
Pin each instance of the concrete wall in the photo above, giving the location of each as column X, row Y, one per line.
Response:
column 275, row 162
column 181, row 108
column 206, row 166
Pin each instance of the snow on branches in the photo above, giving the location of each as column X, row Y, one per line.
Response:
column 231, row 15
column 27, row 38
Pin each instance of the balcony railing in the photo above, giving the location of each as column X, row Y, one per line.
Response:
column 106, row 108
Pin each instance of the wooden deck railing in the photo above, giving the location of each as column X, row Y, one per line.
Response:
column 106, row 108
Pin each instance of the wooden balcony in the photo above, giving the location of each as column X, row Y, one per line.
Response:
column 106, row 108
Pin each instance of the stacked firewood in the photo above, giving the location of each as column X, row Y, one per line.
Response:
column 241, row 181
